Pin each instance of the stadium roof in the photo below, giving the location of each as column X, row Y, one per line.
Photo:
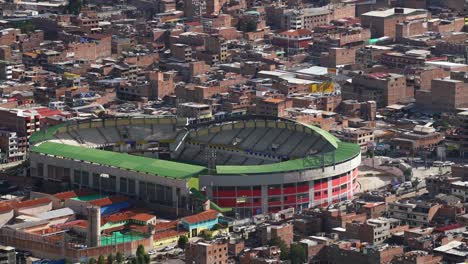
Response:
column 121, row 160
column 345, row 151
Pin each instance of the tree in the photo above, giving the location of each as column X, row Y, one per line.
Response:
column 74, row 7
column 276, row 241
column 140, row 250
column 147, row 258
column 110, row 259
column 297, row 254
column 408, row 172
column 25, row 26
column 91, row 261
column 101, row 260
column 182, row 242
column 119, row 257
column 415, row 183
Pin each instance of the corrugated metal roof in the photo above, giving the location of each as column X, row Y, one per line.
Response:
column 56, row 213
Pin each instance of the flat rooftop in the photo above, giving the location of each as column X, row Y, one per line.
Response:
column 146, row 165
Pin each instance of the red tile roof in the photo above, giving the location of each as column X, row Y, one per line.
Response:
column 121, row 216
column 143, row 217
column 203, row 216
column 163, row 226
column 5, row 208
column 448, row 227
column 31, row 203
column 77, row 223
column 109, row 200
column 299, row 32
column 167, row 234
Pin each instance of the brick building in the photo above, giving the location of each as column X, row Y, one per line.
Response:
column 383, row 23
column 374, row 231
column 273, row 107
column 283, row 232
column 414, row 213
column 383, row 88
column 446, row 95
column 356, row 252
column 207, row 252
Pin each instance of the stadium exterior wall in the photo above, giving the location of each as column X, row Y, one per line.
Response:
column 51, row 165
column 266, row 193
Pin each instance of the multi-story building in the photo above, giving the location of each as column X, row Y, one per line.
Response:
column 294, row 41
column 383, row 23
column 7, row 255
column 447, row 94
column 9, row 145
column 283, row 232
column 374, row 231
column 207, row 252
column 309, row 18
column 195, row 111
column 369, row 55
column 414, row 213
column 273, row 107
column 460, row 189
column 355, row 252
column 384, row 88
column 24, row 123
column 401, row 60
column 181, row 52
column 362, row 137
column 157, row 85
column 419, row 139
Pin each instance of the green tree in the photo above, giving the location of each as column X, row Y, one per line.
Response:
column 415, row 182
column 297, row 254
column 101, row 260
column 408, row 172
column 110, row 259
column 74, row 7
column 147, row 258
column 140, row 250
column 276, row 241
column 25, row 26
column 182, row 242
column 119, row 257
column 140, row 259
column 91, row 261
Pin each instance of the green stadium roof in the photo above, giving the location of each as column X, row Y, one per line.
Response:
column 345, row 151
column 121, row 160
column 325, row 134
column 45, row 134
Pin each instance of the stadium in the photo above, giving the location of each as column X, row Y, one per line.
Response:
column 246, row 165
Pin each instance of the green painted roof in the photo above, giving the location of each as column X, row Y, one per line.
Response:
column 118, row 237
column 45, row 134
column 345, row 151
column 88, row 198
column 325, row 134
column 121, row 160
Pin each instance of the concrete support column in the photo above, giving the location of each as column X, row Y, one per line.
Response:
column 282, row 197
column 311, row 193
column 330, row 190
column 209, row 192
column 137, row 188
column 264, row 199
column 175, row 199
column 117, row 184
